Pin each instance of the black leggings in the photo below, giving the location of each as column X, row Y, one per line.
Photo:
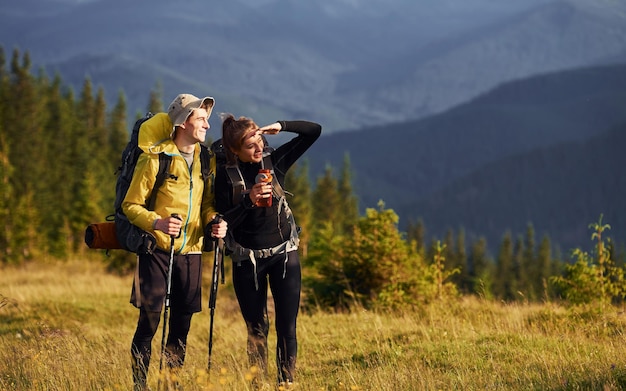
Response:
column 147, row 325
column 284, row 282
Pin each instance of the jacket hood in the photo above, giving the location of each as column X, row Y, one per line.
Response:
column 155, row 135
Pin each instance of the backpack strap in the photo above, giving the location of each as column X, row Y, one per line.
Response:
column 205, row 161
column 236, row 180
column 277, row 189
column 164, row 166
column 239, row 185
column 240, row 253
column 162, row 174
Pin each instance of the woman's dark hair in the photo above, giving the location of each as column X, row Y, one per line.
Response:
column 234, row 133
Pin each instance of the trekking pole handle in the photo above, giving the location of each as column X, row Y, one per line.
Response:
column 219, row 243
column 177, row 216
column 216, row 220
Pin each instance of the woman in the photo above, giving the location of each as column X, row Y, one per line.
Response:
column 263, row 240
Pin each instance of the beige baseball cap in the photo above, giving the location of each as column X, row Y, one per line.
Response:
column 185, row 104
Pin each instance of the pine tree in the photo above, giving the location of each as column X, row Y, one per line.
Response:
column 529, row 263
column 372, row 264
column 25, row 237
column 431, row 250
column 503, row 279
column 297, row 183
column 6, row 170
column 521, row 274
column 58, row 189
column 557, row 262
column 348, row 207
column 481, row 280
column 118, row 138
column 86, row 107
column 89, row 203
column 324, row 281
column 462, row 279
column 82, row 150
column 448, row 250
column 119, row 133
column 42, row 199
column 326, row 202
column 593, row 277
column 6, row 201
column 20, row 142
column 26, row 140
column 416, row 232
column 4, row 76
column 544, row 267
column 155, row 103
column 23, row 129
column 104, row 168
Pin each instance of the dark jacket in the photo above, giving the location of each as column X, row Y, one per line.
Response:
column 258, row 228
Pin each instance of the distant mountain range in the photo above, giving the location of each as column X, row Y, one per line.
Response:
column 546, row 150
column 346, row 64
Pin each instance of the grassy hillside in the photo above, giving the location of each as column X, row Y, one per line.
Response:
column 68, row 326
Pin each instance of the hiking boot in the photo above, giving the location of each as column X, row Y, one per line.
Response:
column 140, row 381
column 286, row 385
column 173, row 379
column 258, row 384
column 140, row 386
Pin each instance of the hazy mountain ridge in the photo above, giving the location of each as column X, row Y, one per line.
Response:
column 551, row 37
column 322, row 61
column 410, row 165
column 423, row 155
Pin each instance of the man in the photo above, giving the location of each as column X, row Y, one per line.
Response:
column 183, row 207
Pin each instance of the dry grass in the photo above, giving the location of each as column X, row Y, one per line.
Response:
column 68, row 326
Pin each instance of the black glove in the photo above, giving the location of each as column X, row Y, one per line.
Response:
column 209, row 245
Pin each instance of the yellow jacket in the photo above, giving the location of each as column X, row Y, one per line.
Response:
column 184, row 195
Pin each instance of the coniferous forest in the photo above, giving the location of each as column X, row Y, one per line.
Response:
column 59, row 151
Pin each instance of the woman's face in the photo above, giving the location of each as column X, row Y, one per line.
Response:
column 251, row 150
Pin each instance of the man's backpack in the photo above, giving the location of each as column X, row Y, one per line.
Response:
column 129, row 236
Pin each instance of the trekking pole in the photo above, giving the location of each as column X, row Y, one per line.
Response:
column 217, row 261
column 168, row 292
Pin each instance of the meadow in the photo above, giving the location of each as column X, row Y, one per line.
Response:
column 68, row 326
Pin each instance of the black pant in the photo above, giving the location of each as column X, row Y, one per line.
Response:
column 186, row 290
column 141, row 349
column 284, row 282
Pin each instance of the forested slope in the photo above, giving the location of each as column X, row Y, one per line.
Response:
column 559, row 189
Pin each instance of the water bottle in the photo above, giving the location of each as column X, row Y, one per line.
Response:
column 264, row 176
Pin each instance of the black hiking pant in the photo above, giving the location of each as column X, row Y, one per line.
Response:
column 175, row 347
column 285, row 282
column 150, row 297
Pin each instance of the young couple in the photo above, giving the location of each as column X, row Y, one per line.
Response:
column 262, row 240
